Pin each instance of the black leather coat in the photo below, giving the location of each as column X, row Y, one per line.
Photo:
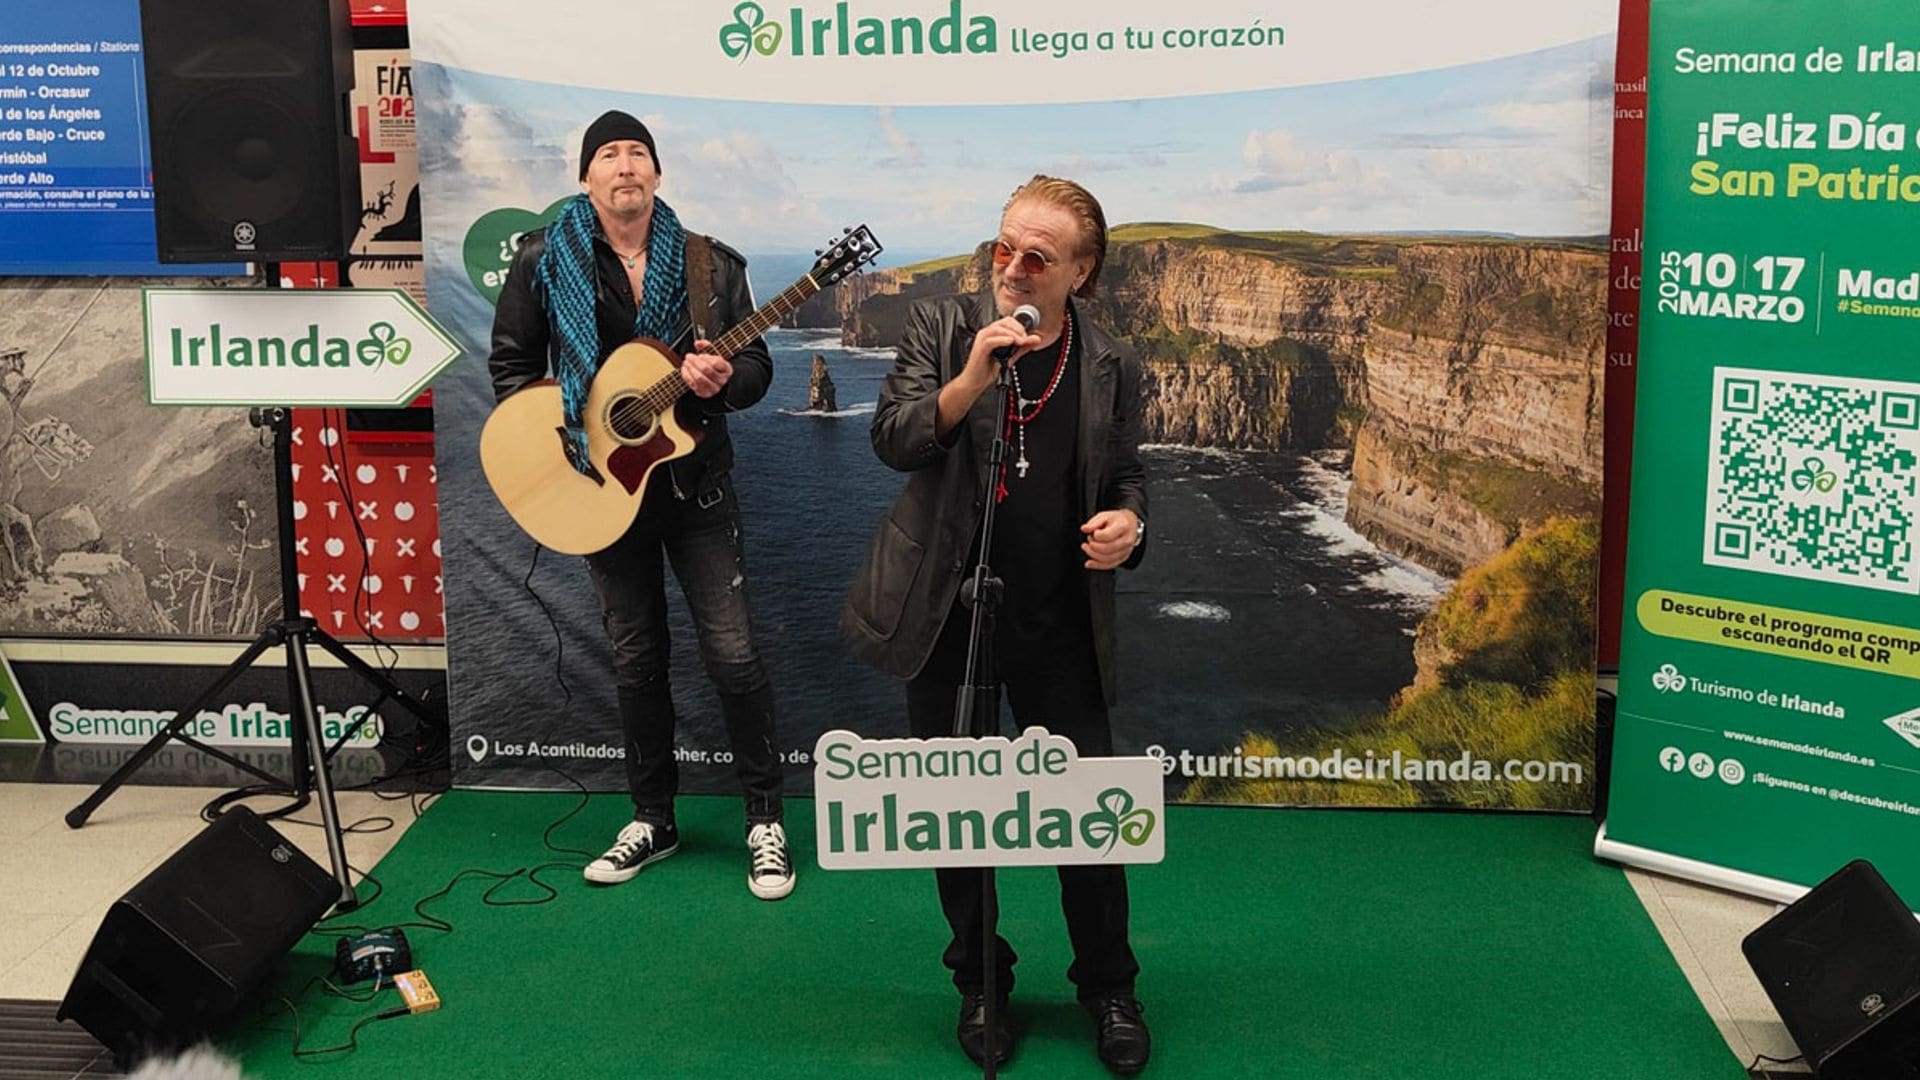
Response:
column 522, row 338
column 921, row 552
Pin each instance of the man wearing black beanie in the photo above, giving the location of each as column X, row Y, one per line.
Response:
column 615, row 265
column 615, row 126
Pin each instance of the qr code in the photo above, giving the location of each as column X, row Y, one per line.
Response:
column 1814, row 476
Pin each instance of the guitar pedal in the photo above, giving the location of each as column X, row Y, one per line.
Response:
column 418, row 992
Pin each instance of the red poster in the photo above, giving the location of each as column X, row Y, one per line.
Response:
column 367, row 530
column 1623, row 314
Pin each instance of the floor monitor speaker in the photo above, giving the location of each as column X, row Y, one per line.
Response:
column 192, row 945
column 1842, row 965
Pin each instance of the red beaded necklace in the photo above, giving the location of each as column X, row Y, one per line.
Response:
column 1018, row 416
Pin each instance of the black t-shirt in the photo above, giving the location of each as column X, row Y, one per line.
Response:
column 1036, row 532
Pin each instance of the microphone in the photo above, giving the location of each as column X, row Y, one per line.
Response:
column 1029, row 317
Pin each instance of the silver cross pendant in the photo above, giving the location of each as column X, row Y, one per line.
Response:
column 1021, row 465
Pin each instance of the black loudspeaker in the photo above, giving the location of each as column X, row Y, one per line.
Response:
column 192, row 945
column 254, row 158
column 1842, row 965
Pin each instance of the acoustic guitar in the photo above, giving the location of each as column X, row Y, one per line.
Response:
column 633, row 420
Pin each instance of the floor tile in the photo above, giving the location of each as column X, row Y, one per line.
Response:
column 67, row 873
column 27, row 808
column 47, row 972
column 21, row 936
column 1703, row 927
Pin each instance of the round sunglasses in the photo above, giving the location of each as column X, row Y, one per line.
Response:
column 1031, row 262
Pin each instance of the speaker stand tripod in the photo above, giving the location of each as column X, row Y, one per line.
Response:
column 295, row 632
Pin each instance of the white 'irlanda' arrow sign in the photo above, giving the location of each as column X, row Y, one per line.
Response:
column 369, row 348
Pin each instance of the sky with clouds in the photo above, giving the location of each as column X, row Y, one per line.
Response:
column 1518, row 145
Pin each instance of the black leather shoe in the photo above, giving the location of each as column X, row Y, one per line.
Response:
column 1124, row 1042
column 972, row 1030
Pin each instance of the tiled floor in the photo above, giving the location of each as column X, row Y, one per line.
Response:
column 1703, row 927
column 56, row 884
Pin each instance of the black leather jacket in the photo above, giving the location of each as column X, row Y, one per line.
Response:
column 920, row 554
column 522, row 337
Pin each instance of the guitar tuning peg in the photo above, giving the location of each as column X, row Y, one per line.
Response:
column 846, row 231
column 819, row 251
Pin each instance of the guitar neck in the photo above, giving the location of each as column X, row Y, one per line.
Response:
column 769, row 314
column 662, row 397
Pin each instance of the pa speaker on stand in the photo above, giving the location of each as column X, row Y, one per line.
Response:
column 254, row 157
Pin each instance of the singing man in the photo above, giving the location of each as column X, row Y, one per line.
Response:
column 1072, row 508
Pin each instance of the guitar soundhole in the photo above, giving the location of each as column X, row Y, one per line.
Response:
column 629, row 418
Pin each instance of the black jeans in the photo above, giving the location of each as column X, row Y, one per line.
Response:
column 1058, row 688
column 704, row 544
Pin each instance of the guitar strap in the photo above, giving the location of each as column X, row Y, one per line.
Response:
column 700, row 286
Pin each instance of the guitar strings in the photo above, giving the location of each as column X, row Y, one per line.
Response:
column 662, row 394
column 656, row 399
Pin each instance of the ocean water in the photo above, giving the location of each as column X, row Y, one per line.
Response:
column 1257, row 608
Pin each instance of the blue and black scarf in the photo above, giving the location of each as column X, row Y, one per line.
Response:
column 566, row 277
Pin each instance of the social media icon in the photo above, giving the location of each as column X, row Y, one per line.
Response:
column 1700, row 765
column 1673, row 759
column 1732, row 771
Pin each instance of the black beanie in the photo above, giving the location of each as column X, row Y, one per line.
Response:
column 613, row 126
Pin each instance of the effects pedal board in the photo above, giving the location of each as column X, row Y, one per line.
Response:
column 418, row 992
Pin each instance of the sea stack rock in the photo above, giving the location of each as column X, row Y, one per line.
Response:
column 820, row 388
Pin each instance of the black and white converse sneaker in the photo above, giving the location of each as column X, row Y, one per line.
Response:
column 639, row 843
column 771, row 874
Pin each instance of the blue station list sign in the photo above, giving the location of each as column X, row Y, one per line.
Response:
column 76, row 195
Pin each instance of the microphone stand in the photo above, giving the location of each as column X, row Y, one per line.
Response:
column 976, row 706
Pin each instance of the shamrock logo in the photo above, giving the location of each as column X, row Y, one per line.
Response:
column 749, row 29
column 381, row 343
column 1669, row 680
column 1813, row 473
column 1116, row 820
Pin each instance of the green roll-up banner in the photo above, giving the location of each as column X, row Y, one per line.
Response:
column 1769, row 710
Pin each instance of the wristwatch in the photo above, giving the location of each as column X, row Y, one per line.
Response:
column 1139, row 530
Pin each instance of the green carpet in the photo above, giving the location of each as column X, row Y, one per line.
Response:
column 1321, row 944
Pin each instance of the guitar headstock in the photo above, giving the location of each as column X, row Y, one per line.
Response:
column 851, row 250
